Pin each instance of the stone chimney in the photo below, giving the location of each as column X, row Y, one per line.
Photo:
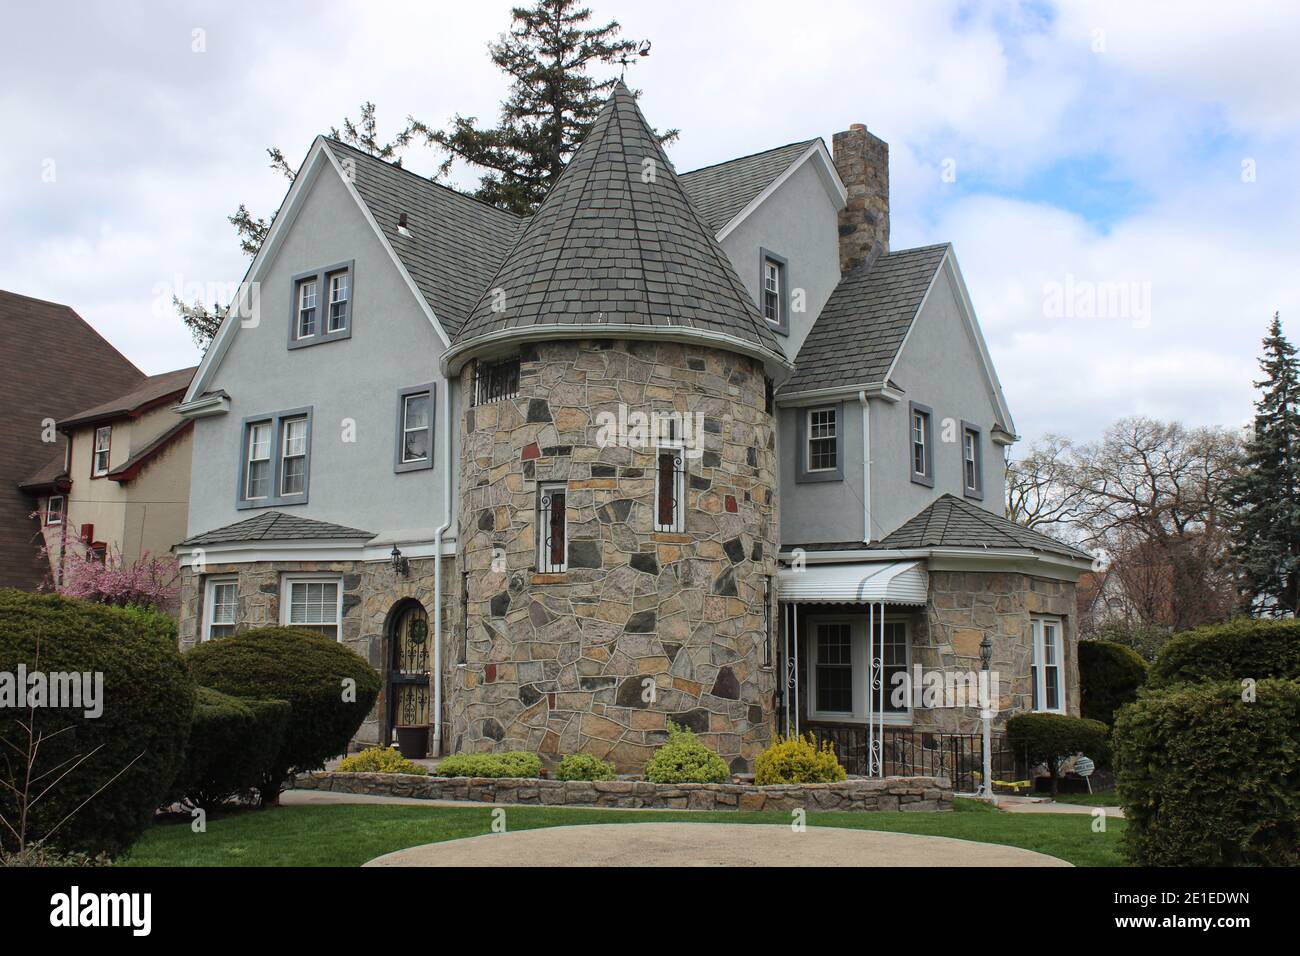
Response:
column 862, row 160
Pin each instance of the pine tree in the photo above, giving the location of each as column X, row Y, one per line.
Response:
column 1266, row 493
column 552, row 103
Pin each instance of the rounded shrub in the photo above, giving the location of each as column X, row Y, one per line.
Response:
column 330, row 691
column 119, row 764
column 512, row 763
column 1109, row 677
column 1207, row 778
column 379, row 760
column 1047, row 738
column 584, row 767
column 798, row 760
column 1239, row 649
column 233, row 747
column 683, row 759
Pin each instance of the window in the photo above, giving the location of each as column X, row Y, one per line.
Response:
column 821, row 443
column 972, row 461
column 835, row 668
column 276, row 461
column 551, row 520
column 1046, row 690
column 414, row 450
column 670, row 489
column 54, row 510
column 332, row 288
column 921, row 444
column 774, row 292
column 496, row 381
column 822, row 430
column 894, row 661
column 312, row 603
column 464, row 616
column 221, row 607
column 293, row 462
column 767, row 620
column 259, row 461
column 103, row 443
column 841, row 666
column 307, row 308
column 338, row 317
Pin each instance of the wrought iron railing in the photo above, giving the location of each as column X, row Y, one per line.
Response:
column 909, row 753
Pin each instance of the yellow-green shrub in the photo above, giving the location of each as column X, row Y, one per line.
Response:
column 379, row 760
column 513, row 763
column 798, row 760
column 683, row 759
column 584, row 767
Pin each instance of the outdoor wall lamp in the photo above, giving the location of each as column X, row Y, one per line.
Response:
column 402, row 566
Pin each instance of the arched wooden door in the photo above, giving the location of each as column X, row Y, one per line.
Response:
column 409, row 657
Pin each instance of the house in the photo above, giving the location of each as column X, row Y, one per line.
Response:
column 52, row 364
column 123, row 483
column 696, row 447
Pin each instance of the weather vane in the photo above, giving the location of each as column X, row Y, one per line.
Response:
column 642, row 49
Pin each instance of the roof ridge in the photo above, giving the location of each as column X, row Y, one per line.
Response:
column 80, row 318
column 761, row 152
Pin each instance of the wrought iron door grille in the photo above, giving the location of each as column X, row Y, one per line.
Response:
column 670, row 490
column 551, row 529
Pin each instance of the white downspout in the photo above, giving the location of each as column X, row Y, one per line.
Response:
column 447, row 465
column 866, row 466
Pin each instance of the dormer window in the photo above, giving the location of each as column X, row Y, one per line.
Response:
column 322, row 306
column 774, row 293
column 103, row 442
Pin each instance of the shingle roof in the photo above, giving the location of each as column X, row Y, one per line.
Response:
column 721, row 191
column 276, row 526
column 863, row 324
column 128, row 470
column 952, row 522
column 153, row 389
column 614, row 245
column 52, row 363
column 456, row 242
column 45, row 476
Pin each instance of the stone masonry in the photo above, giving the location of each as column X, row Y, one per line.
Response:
column 561, row 663
column 862, row 160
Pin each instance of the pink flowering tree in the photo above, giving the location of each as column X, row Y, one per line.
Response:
column 149, row 582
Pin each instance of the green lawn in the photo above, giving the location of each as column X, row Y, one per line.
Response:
column 1109, row 798
column 351, row 834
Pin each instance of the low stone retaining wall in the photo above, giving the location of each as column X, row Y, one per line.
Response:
column 889, row 793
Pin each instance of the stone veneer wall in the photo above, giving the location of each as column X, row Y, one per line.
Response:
column 370, row 590
column 915, row 794
column 556, row 662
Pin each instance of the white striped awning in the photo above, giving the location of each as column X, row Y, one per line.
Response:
column 889, row 582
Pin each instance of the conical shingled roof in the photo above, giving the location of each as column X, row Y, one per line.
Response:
column 617, row 248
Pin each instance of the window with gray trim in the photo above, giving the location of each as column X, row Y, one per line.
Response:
column 920, row 444
column 774, row 290
column 275, row 459
column 414, row 448
column 322, row 306
column 972, row 461
column 821, row 443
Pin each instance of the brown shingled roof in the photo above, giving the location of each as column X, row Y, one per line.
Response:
column 154, row 391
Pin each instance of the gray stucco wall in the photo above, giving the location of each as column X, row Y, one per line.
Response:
column 799, row 223
column 820, row 511
column 393, row 346
column 939, row 367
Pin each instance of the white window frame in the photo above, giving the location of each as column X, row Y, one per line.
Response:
column 809, row 438
column 336, row 281
column 97, row 470
column 249, row 460
column 427, row 395
column 283, row 471
column 287, row 583
column 210, row 586
column 50, row 512
column 544, row 564
column 772, row 287
column 313, row 284
column 970, row 460
column 920, row 441
column 1038, row 670
column 678, row 524
column 860, row 668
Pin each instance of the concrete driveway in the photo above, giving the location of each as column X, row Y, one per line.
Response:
column 710, row 844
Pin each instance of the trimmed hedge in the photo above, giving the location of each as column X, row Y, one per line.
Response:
column 514, row 763
column 1240, row 648
column 798, row 760
column 1109, row 677
column 330, row 691
column 683, row 759
column 147, row 700
column 380, row 760
column 233, row 746
column 584, row 767
column 1207, row 779
column 1046, row 738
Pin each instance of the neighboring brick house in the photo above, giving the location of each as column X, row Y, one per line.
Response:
column 52, row 364
column 123, row 484
column 694, row 447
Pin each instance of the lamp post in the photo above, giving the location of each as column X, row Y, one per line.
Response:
column 986, row 716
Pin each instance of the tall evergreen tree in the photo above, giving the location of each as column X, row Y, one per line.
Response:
column 552, row 103
column 1266, row 493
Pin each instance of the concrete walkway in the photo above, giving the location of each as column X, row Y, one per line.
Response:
column 1032, row 805
column 710, row 844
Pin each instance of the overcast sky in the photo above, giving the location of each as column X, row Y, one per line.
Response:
column 1119, row 179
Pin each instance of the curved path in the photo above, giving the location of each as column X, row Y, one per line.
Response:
column 710, row 844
